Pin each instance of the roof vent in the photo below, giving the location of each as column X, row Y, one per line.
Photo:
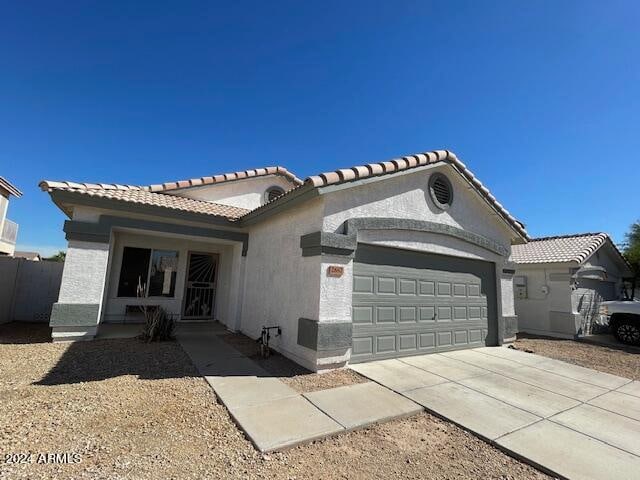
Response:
column 272, row 193
column 441, row 190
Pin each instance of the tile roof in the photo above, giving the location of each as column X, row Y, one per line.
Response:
column 324, row 179
column 4, row 183
column 172, row 202
column 561, row 249
column 193, row 182
column 412, row 161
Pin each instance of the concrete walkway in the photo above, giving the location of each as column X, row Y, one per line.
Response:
column 570, row 421
column 273, row 415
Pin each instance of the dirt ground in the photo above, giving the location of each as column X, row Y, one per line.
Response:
column 622, row 361
column 297, row 377
column 139, row 411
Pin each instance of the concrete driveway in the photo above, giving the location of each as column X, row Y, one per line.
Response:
column 570, row 421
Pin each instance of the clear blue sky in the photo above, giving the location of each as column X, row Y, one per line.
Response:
column 541, row 99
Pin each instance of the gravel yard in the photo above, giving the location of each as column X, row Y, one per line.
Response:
column 134, row 410
column 621, row 361
column 297, row 377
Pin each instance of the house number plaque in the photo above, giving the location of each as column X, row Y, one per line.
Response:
column 335, row 271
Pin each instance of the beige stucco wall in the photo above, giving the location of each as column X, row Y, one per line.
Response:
column 246, row 193
column 407, row 196
column 281, row 285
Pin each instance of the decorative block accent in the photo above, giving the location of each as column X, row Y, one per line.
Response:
column 324, row 336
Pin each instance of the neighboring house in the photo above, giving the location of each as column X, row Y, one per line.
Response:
column 375, row 261
column 33, row 256
column 560, row 281
column 8, row 229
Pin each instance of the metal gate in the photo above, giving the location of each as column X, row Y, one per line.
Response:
column 200, row 289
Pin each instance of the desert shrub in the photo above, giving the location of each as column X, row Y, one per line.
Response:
column 158, row 325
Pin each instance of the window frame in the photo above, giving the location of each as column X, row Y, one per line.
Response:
column 148, row 274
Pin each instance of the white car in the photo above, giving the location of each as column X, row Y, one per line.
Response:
column 623, row 318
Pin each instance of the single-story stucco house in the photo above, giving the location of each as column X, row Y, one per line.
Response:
column 388, row 259
column 560, row 281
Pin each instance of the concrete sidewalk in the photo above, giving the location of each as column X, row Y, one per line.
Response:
column 570, row 421
column 273, row 415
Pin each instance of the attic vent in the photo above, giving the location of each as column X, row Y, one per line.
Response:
column 441, row 190
column 273, row 193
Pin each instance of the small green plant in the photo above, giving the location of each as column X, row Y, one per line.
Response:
column 158, row 324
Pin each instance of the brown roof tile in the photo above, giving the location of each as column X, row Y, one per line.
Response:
column 323, row 179
column 173, row 202
column 413, row 161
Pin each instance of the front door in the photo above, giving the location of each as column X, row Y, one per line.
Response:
column 200, row 290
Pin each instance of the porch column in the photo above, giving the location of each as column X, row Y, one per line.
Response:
column 236, row 293
column 77, row 313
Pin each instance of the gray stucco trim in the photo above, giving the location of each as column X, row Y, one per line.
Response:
column 319, row 243
column 74, row 315
column 352, row 226
column 61, row 198
column 101, row 231
column 324, row 336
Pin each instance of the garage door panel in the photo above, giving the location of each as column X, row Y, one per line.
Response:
column 385, row 314
column 427, row 313
column 444, row 289
column 475, row 312
column 362, row 314
column 407, row 314
column 459, row 290
column 363, row 284
column 400, row 310
column 385, row 343
column 362, row 346
column 427, row 288
column 476, row 336
column 460, row 313
column 461, row 337
column 427, row 340
column 444, row 314
column 408, row 342
column 445, row 338
column 386, row 286
column 407, row 286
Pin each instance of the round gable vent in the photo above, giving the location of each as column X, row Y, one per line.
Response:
column 272, row 193
column 441, row 190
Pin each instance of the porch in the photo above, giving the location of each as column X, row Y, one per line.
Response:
column 194, row 274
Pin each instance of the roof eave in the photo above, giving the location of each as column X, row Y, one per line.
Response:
column 320, row 182
column 9, row 187
column 64, row 199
